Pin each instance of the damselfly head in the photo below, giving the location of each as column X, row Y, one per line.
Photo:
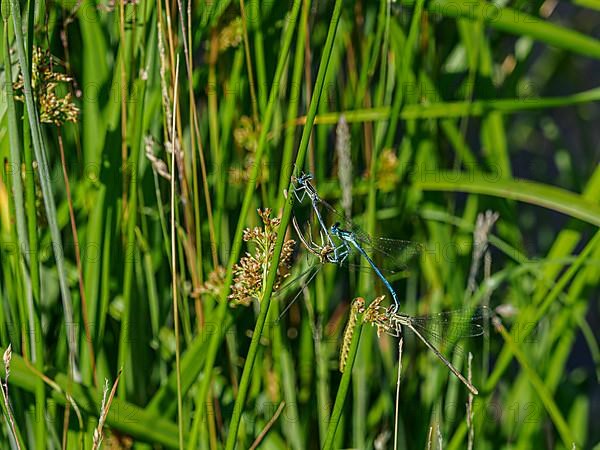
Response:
column 303, row 178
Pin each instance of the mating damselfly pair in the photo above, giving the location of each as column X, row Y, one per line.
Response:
column 339, row 243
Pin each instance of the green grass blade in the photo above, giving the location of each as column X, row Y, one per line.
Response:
column 342, row 392
column 40, row 155
column 541, row 390
column 516, row 22
column 237, row 243
column 449, row 110
column 539, row 194
column 268, row 288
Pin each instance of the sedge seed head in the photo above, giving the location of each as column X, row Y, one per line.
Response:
column 46, row 83
column 214, row 284
column 250, row 273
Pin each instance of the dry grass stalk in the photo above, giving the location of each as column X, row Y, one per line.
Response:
column 397, row 411
column 344, row 153
column 4, row 388
column 483, row 227
column 158, row 165
column 471, row 435
column 267, row 427
column 105, row 407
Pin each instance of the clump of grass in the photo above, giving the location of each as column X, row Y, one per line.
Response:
column 251, row 272
column 402, row 83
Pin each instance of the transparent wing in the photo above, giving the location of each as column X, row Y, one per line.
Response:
column 315, row 244
column 395, row 255
column 453, row 325
column 447, row 328
column 392, row 255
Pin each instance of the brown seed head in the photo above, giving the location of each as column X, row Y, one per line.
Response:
column 251, row 272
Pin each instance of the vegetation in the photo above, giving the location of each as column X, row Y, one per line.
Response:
column 144, row 302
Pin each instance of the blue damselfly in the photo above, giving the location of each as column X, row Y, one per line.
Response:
column 303, row 189
column 441, row 328
column 349, row 238
column 395, row 253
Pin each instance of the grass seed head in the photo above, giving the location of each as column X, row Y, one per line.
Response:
column 231, row 35
column 214, row 284
column 251, row 272
column 387, row 171
column 377, row 315
column 54, row 107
